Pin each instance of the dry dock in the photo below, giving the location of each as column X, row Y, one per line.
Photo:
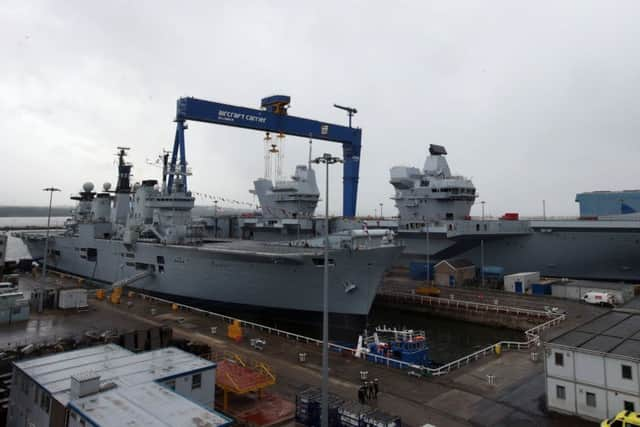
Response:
column 463, row 397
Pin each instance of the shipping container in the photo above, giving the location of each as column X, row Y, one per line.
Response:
column 72, row 298
column 541, row 289
column 308, row 411
column 510, row 216
column 418, row 270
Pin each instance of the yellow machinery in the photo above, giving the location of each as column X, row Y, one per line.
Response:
column 498, row 349
column 100, row 294
column 429, row 291
column 235, row 375
column 116, row 295
column 623, row 419
column 234, row 331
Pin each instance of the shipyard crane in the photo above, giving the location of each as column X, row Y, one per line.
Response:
column 272, row 117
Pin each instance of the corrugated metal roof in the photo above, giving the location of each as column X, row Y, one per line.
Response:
column 603, row 323
column 615, row 333
column 146, row 404
column 113, row 364
column 573, row 338
column 602, row 343
column 629, row 348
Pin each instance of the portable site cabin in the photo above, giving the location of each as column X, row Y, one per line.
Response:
column 521, row 283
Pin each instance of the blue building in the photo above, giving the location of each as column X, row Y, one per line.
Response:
column 599, row 203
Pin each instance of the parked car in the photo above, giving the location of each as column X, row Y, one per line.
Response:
column 623, row 419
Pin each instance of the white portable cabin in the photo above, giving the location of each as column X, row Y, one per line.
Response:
column 72, row 298
column 520, row 283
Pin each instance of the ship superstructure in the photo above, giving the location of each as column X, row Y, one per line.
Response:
column 438, row 222
column 431, row 194
column 144, row 235
column 295, row 198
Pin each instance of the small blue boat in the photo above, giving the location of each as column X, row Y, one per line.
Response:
column 404, row 345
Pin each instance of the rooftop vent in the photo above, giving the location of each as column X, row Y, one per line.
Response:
column 84, row 384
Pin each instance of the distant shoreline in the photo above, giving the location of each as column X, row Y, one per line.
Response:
column 33, row 211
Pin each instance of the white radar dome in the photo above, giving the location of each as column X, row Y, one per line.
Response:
column 87, row 187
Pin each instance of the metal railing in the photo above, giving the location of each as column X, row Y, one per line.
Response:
column 532, row 337
column 462, row 304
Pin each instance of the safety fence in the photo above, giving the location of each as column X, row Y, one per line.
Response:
column 532, row 337
column 449, row 303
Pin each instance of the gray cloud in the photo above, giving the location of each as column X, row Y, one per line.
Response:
column 534, row 101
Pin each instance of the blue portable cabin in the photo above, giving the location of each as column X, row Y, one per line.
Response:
column 418, row 270
column 492, row 272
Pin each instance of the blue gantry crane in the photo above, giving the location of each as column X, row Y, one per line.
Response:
column 272, row 117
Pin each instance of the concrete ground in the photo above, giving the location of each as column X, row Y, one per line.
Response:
column 462, row 398
column 577, row 312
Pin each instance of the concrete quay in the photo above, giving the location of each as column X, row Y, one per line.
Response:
column 461, row 398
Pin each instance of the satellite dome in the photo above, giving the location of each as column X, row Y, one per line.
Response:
column 106, row 186
column 87, row 187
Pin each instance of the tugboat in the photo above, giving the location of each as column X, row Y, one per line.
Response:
column 405, row 345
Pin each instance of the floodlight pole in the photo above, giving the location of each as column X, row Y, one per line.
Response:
column 482, row 247
column 46, row 242
column 327, row 159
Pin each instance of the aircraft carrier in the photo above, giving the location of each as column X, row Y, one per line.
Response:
column 144, row 236
column 434, row 217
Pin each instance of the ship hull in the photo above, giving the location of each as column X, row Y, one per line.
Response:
column 569, row 250
column 229, row 276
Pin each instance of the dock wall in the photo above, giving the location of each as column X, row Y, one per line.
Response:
column 485, row 314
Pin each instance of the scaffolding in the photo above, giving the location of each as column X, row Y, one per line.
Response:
column 240, row 377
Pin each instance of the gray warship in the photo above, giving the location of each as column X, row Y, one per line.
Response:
column 144, row 236
column 434, row 201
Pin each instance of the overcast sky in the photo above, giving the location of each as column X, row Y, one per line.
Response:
column 533, row 100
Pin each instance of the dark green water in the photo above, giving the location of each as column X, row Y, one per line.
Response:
column 448, row 339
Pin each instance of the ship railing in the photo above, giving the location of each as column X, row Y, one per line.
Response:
column 465, row 305
column 532, row 336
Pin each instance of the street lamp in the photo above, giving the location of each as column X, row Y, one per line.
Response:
column 327, row 159
column 46, row 242
column 482, row 247
column 215, row 215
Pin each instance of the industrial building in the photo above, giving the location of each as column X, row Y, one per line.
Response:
column 593, row 370
column 110, row 386
column 576, row 289
column 600, row 203
column 521, row 283
column 452, row 272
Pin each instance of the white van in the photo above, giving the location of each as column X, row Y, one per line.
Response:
column 602, row 298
